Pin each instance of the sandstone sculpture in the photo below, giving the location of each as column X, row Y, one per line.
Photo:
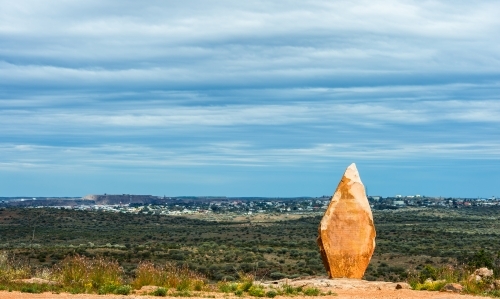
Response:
column 346, row 232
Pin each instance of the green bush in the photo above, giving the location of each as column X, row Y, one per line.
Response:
column 123, row 290
column 245, row 281
column 227, row 287
column 289, row 290
column 428, row 272
column 182, row 294
column 238, row 292
column 32, row 288
column 107, row 289
column 160, row 292
column 492, row 293
column 271, row 294
column 277, row 275
column 198, row 285
column 479, row 259
column 431, row 285
column 311, row 292
column 256, row 291
column 114, row 289
column 76, row 290
column 183, row 285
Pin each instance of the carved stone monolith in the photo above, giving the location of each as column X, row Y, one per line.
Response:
column 346, row 234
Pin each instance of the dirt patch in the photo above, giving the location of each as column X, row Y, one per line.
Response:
column 35, row 280
column 325, row 284
column 355, row 288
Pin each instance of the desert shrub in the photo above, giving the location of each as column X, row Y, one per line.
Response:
column 245, row 281
column 198, row 285
column 256, row 291
column 114, row 289
column 246, row 267
column 431, row 285
column 271, row 294
column 311, row 291
column 107, row 289
column 184, row 285
column 123, row 290
column 277, row 275
column 11, row 269
column 239, row 293
column 182, row 294
column 435, row 278
column 428, row 272
column 472, row 287
column 161, row 292
column 32, row 288
column 482, row 258
column 148, row 274
column 227, row 287
column 90, row 274
column 290, row 290
column 481, row 287
column 168, row 275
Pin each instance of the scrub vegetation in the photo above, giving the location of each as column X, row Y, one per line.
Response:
column 186, row 254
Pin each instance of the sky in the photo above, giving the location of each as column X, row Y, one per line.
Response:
column 249, row 98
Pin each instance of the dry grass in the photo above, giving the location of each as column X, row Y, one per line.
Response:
column 168, row 276
column 88, row 274
column 434, row 279
column 10, row 269
column 81, row 274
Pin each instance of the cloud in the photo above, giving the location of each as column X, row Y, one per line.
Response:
column 188, row 111
column 134, row 157
column 249, row 85
column 229, row 44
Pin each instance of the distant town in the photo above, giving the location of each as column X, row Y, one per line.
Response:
column 163, row 205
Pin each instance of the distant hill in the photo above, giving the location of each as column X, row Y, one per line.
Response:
column 124, row 199
column 44, row 202
column 128, row 199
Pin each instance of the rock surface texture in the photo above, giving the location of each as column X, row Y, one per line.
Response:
column 346, row 234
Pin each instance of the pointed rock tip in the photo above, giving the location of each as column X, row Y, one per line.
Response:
column 352, row 173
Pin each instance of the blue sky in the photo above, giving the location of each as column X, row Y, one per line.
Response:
column 249, row 98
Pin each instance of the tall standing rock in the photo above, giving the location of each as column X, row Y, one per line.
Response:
column 346, row 232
